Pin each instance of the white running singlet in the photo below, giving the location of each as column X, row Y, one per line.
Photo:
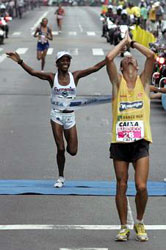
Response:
column 61, row 96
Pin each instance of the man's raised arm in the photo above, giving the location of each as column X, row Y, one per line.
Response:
column 111, row 67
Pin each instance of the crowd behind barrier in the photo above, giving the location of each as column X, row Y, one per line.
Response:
column 15, row 8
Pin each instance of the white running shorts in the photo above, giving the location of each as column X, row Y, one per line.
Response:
column 67, row 120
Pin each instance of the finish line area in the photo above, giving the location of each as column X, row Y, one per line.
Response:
column 73, row 222
column 82, row 187
column 73, row 227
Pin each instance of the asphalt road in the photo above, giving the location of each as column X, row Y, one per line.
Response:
column 27, row 149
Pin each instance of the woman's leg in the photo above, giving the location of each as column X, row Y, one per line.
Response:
column 72, row 140
column 58, row 131
column 43, row 59
column 39, row 54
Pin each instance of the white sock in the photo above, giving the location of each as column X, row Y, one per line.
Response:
column 139, row 221
column 62, row 178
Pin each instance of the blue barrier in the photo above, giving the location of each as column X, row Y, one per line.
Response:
column 163, row 100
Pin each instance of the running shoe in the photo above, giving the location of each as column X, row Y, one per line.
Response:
column 60, row 182
column 123, row 234
column 141, row 234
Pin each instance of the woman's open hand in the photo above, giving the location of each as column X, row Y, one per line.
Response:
column 14, row 56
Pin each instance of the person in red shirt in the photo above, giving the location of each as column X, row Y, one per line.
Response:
column 59, row 17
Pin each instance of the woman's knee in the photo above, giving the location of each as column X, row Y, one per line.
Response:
column 72, row 150
column 60, row 150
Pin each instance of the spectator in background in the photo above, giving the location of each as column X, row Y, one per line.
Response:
column 20, row 6
column 159, row 13
column 144, row 14
column 11, row 8
column 152, row 19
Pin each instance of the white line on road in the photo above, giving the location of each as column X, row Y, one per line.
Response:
column 72, row 33
column 83, row 248
column 38, row 22
column 74, row 52
column 50, row 51
column 105, row 121
column 21, row 51
column 2, row 57
column 80, row 27
column 91, row 33
column 16, row 34
column 74, row 227
column 98, row 52
column 55, row 33
column 130, row 220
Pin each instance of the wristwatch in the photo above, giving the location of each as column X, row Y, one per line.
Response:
column 132, row 43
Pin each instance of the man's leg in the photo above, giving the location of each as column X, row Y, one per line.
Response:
column 141, row 175
column 121, row 171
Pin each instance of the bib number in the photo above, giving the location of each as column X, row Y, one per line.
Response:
column 129, row 131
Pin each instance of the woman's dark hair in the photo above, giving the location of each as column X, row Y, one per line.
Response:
column 44, row 18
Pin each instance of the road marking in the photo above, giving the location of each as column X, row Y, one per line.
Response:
column 2, row 57
column 50, row 51
column 92, row 248
column 98, row 52
column 16, row 34
column 80, row 27
column 105, row 121
column 38, row 22
column 91, row 33
column 130, row 220
column 74, row 52
column 55, row 33
column 73, row 227
column 22, row 51
column 72, row 33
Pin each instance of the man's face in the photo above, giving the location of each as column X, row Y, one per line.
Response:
column 64, row 63
column 129, row 60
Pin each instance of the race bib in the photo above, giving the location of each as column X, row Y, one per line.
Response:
column 129, row 131
column 43, row 39
column 59, row 16
column 60, row 103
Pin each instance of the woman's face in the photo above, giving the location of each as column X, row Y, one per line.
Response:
column 63, row 63
column 44, row 22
